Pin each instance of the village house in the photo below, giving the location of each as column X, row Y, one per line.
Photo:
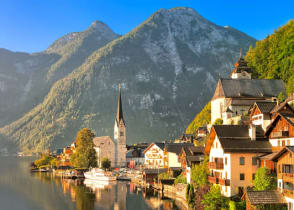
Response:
column 234, row 96
column 285, row 172
column 188, row 157
column 172, row 152
column 135, row 157
column 154, row 156
column 233, row 151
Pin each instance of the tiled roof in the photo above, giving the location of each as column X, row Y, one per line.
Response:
column 249, row 88
column 240, row 66
column 101, row 140
column 267, row 156
column 236, row 131
column 177, row 147
column 246, row 145
column 282, row 151
column 265, row 197
column 160, row 145
column 266, row 106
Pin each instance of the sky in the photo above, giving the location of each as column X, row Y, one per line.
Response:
column 32, row 25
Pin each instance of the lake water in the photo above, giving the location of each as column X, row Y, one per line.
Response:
column 22, row 190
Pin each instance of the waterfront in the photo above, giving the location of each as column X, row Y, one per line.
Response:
column 21, row 190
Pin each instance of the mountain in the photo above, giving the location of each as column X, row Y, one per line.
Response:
column 167, row 66
column 25, row 79
column 271, row 58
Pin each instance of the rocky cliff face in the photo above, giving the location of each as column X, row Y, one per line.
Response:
column 168, row 68
column 25, row 79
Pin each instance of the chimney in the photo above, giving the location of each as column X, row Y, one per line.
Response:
column 252, row 132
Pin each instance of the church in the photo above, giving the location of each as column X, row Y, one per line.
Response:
column 235, row 95
column 115, row 150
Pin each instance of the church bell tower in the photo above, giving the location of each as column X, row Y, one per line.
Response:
column 120, row 135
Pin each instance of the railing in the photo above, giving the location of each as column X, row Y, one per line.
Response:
column 212, row 179
column 225, row 182
column 214, row 165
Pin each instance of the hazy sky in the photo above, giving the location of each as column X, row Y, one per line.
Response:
column 32, row 25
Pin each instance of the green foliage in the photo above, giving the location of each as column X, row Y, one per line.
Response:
column 85, row 154
column 106, row 163
column 187, row 191
column 218, row 121
column 214, row 200
column 264, row 180
column 191, row 196
column 200, row 173
column 273, row 57
column 181, row 179
column 290, row 86
column 281, row 97
column 45, row 160
column 202, row 118
column 164, row 176
column 233, row 205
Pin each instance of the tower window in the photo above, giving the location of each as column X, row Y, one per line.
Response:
column 121, row 133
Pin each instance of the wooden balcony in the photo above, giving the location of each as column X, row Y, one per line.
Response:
column 278, row 134
column 224, row 182
column 214, row 165
column 288, row 193
column 212, row 179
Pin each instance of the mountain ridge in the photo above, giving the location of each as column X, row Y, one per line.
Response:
column 167, row 67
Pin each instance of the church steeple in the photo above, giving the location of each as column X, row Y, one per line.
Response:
column 119, row 113
column 241, row 69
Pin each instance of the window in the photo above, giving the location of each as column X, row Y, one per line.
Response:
column 215, row 144
column 279, row 143
column 254, row 161
column 283, row 143
column 253, row 176
column 288, row 142
column 242, row 176
column 121, row 133
column 242, row 160
column 226, row 161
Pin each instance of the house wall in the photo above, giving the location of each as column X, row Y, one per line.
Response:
column 217, row 108
column 247, row 169
column 287, row 158
column 173, row 160
column 243, row 75
column 154, row 157
column 105, row 149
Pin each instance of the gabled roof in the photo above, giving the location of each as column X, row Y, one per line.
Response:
column 248, row 88
column 283, row 151
column 101, row 140
column 265, row 107
column 288, row 117
column 283, row 107
column 265, row 197
column 235, row 138
column 158, row 144
column 177, row 147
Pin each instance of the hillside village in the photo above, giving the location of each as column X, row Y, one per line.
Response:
column 252, row 129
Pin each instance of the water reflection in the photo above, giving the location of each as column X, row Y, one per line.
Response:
column 44, row 191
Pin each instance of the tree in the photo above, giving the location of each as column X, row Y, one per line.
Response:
column 106, row 163
column 214, row 199
column 45, row 160
column 181, row 179
column 264, row 180
column 187, row 191
column 218, row 121
column 200, row 173
column 85, row 154
column 281, row 97
column 290, row 86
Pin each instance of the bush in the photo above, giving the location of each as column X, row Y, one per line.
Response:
column 218, row 121
column 214, row 199
column 181, row 179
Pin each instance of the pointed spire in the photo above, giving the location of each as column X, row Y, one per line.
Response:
column 119, row 113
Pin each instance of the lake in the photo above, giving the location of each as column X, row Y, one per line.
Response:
column 22, row 190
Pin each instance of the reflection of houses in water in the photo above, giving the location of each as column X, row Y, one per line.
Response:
column 109, row 195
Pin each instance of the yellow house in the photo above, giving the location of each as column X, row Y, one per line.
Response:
column 233, row 152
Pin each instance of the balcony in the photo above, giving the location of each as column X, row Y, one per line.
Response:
column 280, row 134
column 288, row 193
column 224, row 182
column 215, row 165
column 212, row 179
